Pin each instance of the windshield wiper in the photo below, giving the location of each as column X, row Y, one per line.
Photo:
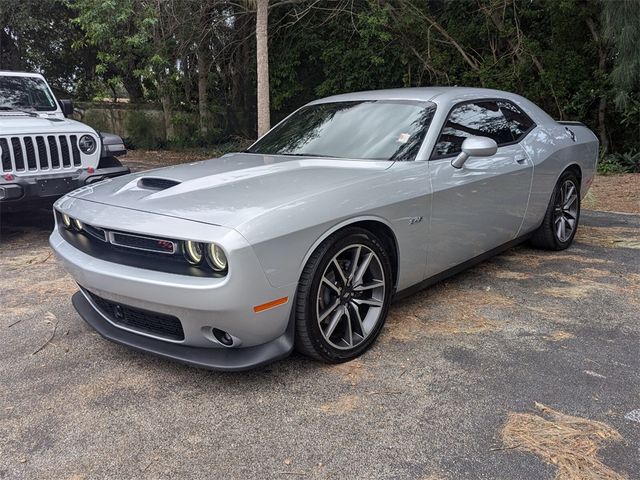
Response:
column 11, row 109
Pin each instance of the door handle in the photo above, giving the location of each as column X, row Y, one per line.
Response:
column 521, row 160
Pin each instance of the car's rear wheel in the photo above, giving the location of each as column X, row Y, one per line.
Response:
column 562, row 216
column 343, row 296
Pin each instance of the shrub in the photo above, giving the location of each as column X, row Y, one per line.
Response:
column 630, row 161
column 143, row 131
column 187, row 130
column 627, row 162
column 96, row 120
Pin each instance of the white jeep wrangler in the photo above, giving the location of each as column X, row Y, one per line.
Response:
column 43, row 154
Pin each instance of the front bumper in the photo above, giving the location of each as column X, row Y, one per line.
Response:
column 200, row 303
column 26, row 191
column 226, row 359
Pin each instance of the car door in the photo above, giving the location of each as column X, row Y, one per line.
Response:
column 482, row 205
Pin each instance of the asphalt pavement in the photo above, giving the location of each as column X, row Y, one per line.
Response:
column 429, row 401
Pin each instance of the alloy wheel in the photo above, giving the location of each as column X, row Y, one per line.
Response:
column 565, row 216
column 350, row 296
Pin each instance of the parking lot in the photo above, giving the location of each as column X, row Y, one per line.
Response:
column 454, row 388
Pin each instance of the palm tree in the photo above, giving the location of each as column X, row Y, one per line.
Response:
column 262, row 58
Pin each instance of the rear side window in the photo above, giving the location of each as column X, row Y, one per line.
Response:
column 474, row 119
column 518, row 121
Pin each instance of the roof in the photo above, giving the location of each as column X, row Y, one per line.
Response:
column 9, row 73
column 440, row 95
column 414, row 93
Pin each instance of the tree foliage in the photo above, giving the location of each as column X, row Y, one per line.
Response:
column 577, row 59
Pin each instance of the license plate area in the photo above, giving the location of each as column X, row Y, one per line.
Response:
column 53, row 186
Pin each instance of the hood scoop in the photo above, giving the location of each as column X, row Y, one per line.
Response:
column 153, row 183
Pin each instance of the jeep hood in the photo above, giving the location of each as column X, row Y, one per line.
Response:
column 230, row 190
column 15, row 123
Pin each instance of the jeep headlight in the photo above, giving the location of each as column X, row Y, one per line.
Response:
column 87, row 144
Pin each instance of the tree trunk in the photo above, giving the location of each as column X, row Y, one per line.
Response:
column 262, row 49
column 602, row 105
column 168, row 121
column 167, row 110
column 187, row 80
column 203, row 104
column 133, row 86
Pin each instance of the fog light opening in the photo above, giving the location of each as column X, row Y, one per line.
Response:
column 222, row 336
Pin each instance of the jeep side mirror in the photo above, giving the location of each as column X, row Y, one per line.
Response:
column 475, row 147
column 67, row 107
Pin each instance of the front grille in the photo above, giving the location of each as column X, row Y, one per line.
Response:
column 158, row 324
column 97, row 232
column 139, row 242
column 33, row 153
column 151, row 253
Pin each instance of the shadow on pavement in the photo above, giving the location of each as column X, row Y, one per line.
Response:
column 15, row 224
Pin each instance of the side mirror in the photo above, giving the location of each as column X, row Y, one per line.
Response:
column 475, row 147
column 67, row 107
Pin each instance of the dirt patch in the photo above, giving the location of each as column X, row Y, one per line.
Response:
column 536, row 260
column 570, row 443
column 579, row 285
column 119, row 382
column 30, row 274
column 573, row 292
column 511, row 275
column 559, row 336
column 614, row 193
column 449, row 309
column 351, row 372
column 595, row 273
column 444, row 310
column 609, row 237
column 341, row 406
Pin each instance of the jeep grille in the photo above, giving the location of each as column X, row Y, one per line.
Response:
column 39, row 153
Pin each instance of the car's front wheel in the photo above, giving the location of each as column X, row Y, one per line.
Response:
column 343, row 296
column 562, row 216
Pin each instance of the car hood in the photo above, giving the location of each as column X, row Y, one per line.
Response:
column 14, row 123
column 230, row 190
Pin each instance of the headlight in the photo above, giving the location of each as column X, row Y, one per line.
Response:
column 216, row 257
column 87, row 144
column 78, row 224
column 193, row 252
column 66, row 220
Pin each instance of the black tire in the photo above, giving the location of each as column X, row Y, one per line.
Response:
column 310, row 339
column 547, row 236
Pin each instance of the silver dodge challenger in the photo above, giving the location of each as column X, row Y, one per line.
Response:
column 303, row 240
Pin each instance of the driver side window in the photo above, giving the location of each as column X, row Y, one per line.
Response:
column 473, row 119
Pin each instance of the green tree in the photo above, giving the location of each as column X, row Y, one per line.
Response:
column 621, row 21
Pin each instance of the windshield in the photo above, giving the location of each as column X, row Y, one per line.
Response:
column 370, row 130
column 25, row 93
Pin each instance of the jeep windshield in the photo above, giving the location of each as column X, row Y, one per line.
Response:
column 367, row 130
column 25, row 93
